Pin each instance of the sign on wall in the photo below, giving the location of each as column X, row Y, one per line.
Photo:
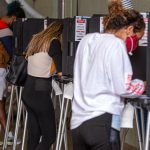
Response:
column 80, row 27
column 144, row 40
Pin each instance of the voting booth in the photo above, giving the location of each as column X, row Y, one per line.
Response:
column 24, row 29
column 74, row 30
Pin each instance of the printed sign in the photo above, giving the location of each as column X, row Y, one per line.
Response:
column 80, row 27
column 144, row 40
column 101, row 25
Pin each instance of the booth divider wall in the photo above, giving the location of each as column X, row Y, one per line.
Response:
column 17, row 36
column 24, row 29
column 148, row 60
column 74, row 30
column 140, row 59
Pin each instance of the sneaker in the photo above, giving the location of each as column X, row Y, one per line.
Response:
column 1, row 143
column 10, row 139
column 10, row 142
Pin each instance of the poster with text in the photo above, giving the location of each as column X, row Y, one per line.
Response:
column 80, row 27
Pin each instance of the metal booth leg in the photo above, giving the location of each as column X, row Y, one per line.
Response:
column 147, row 132
column 8, row 118
column 18, row 119
column 24, row 131
column 60, row 124
column 138, row 130
column 142, row 125
column 63, row 124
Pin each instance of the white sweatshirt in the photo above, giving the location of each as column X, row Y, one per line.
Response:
column 102, row 73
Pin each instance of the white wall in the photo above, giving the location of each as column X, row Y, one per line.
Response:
column 3, row 6
column 85, row 7
column 90, row 7
column 142, row 5
column 48, row 8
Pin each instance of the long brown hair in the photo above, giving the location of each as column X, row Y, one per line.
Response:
column 119, row 18
column 41, row 41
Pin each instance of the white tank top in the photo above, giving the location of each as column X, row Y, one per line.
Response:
column 39, row 65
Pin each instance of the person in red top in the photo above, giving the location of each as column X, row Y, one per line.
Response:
column 14, row 11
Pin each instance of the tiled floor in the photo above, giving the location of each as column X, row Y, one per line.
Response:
column 126, row 146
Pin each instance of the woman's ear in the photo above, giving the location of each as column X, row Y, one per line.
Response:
column 129, row 30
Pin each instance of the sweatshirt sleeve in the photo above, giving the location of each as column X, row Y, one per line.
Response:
column 120, row 74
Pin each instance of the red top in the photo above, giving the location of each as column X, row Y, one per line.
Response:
column 3, row 25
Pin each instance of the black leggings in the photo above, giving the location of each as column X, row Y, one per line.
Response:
column 41, row 118
column 115, row 139
column 93, row 134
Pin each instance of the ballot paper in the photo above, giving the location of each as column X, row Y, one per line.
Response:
column 68, row 91
column 127, row 116
column 56, row 88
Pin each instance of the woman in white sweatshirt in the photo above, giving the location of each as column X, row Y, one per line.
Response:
column 102, row 75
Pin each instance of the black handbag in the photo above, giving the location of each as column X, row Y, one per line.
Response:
column 17, row 72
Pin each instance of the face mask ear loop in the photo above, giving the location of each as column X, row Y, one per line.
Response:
column 130, row 53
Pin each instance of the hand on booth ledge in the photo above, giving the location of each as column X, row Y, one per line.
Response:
column 59, row 74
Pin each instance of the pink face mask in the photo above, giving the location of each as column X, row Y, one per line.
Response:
column 131, row 43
